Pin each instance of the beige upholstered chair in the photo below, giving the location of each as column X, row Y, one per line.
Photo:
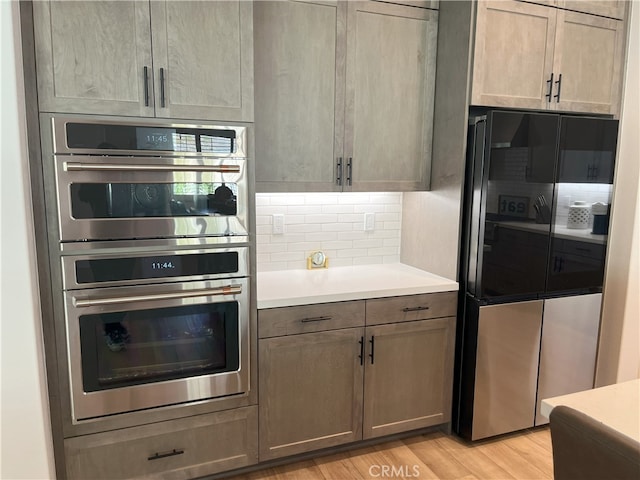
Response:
column 585, row 449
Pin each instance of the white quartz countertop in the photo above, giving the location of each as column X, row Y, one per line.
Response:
column 285, row 288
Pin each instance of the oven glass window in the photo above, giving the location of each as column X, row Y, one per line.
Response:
column 144, row 346
column 126, row 200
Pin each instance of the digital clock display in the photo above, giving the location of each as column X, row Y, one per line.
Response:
column 155, row 138
column 156, row 266
column 161, row 266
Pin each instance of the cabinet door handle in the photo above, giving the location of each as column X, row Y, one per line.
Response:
column 315, row 319
column 550, row 91
column 146, row 86
column 349, row 170
column 162, row 102
column 414, row 309
column 172, row 453
column 559, row 83
column 339, row 171
column 361, row 356
column 372, row 342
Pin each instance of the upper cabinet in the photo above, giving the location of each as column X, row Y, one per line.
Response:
column 169, row 59
column 344, row 95
column 540, row 57
column 604, row 8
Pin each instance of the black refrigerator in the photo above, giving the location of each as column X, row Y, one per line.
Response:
column 535, row 221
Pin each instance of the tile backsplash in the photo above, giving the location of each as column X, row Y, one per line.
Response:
column 331, row 222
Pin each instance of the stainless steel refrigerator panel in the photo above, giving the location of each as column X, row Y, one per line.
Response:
column 569, row 345
column 506, row 368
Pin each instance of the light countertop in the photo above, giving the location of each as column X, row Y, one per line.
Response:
column 617, row 406
column 286, row 288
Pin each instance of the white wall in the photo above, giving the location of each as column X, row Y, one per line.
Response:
column 26, row 444
column 619, row 350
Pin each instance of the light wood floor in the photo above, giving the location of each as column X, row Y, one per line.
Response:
column 525, row 456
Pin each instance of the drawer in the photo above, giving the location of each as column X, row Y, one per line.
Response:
column 277, row 322
column 411, row 307
column 177, row 449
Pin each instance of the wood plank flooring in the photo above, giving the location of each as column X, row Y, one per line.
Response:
column 524, row 455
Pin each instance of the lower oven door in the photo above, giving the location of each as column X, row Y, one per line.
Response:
column 134, row 348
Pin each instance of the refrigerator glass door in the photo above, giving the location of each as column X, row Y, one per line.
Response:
column 518, row 194
column 587, row 148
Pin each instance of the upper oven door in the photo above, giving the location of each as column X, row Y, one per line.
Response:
column 114, row 198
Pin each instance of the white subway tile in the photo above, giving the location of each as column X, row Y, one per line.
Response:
column 305, row 228
column 370, row 260
column 262, row 199
column 263, row 229
column 337, row 227
column 264, row 219
column 391, row 225
column 368, row 208
column 353, row 252
column 271, row 248
column 271, row 210
column 388, row 217
column 357, row 233
column 287, row 256
column 340, row 209
column 303, row 209
column 287, row 199
column 354, row 198
column 340, row 262
column 336, row 245
column 287, row 238
column 369, row 243
column 391, row 242
column 321, row 218
column 382, row 251
column 391, row 259
column 294, row 219
column 321, row 198
column 351, row 218
column 302, row 247
column 321, row 236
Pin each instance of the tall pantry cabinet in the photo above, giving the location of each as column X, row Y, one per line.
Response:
column 167, row 59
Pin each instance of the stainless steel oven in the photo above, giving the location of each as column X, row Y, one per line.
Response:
column 136, row 180
column 148, row 329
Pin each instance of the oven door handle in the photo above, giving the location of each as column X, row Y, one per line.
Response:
column 115, row 167
column 93, row 302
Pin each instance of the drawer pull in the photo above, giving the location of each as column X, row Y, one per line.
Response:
column 172, row 453
column 315, row 319
column 414, row 309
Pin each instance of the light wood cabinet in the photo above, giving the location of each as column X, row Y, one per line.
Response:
column 185, row 448
column 344, row 95
column 347, row 381
column 604, row 8
column 168, row 59
column 540, row 57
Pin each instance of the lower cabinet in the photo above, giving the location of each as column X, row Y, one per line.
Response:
column 348, row 380
column 177, row 449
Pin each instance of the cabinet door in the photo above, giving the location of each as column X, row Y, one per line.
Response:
column 589, row 55
column 409, row 376
column 203, row 59
column 299, row 69
column 513, row 58
column 310, row 391
column 568, row 348
column 604, row 8
column 391, row 54
column 91, row 57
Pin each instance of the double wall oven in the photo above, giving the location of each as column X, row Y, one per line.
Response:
column 152, row 228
